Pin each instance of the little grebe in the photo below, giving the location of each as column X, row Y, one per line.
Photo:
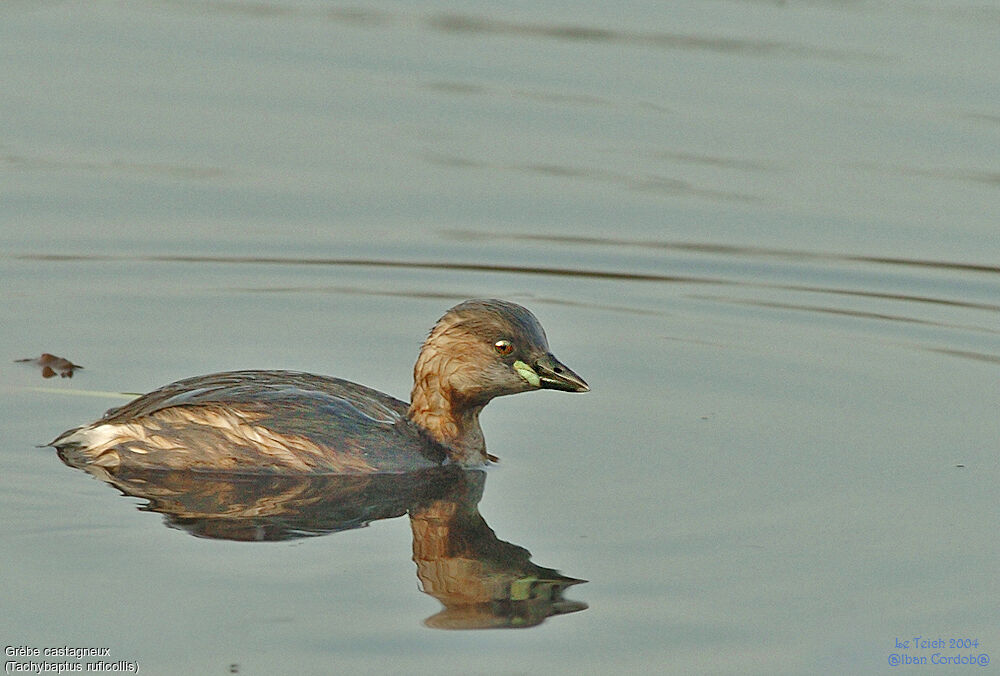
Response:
column 291, row 422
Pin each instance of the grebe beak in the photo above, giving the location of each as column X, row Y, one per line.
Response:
column 554, row 375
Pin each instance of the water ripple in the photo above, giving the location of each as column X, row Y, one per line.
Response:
column 860, row 314
column 650, row 183
column 20, row 161
column 731, row 250
column 965, row 354
column 766, row 287
column 463, row 23
column 378, row 263
column 458, row 24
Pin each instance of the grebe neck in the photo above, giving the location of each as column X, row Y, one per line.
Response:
column 448, row 418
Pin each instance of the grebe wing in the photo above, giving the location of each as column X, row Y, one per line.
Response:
column 333, row 417
column 258, row 390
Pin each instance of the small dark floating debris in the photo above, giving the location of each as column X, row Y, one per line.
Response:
column 52, row 365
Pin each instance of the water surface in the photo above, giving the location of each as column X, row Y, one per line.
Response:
column 765, row 233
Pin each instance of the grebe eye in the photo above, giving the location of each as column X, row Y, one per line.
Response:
column 503, row 347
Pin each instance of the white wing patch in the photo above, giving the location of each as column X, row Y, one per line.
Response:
column 169, row 430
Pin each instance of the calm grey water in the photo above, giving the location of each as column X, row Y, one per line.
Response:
column 765, row 232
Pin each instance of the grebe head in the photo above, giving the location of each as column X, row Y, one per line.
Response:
column 478, row 350
column 482, row 349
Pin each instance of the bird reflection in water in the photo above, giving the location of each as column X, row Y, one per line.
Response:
column 482, row 581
